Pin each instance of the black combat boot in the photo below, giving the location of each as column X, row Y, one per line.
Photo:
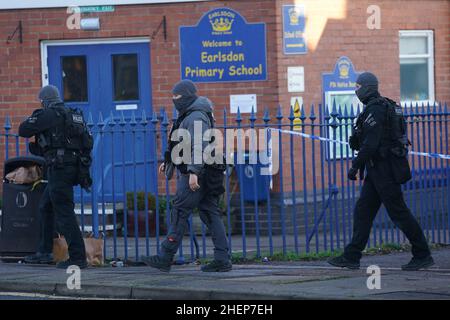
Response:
column 343, row 262
column 418, row 263
column 82, row 264
column 217, row 266
column 157, row 262
column 39, row 258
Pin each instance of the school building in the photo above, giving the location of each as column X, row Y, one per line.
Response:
column 123, row 56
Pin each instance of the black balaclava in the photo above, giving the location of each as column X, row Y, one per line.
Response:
column 369, row 87
column 49, row 95
column 187, row 90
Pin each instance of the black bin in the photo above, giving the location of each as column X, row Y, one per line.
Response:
column 20, row 228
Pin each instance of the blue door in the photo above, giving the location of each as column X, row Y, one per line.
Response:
column 110, row 81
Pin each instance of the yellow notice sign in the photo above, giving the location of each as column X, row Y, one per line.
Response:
column 296, row 104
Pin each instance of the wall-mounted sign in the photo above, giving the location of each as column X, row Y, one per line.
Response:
column 96, row 9
column 342, row 78
column 296, row 79
column 90, row 24
column 339, row 89
column 294, row 41
column 223, row 47
column 245, row 103
column 121, row 107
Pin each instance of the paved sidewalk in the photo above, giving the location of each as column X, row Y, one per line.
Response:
column 273, row 280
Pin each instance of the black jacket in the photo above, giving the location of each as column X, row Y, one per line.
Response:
column 372, row 123
column 40, row 121
column 196, row 113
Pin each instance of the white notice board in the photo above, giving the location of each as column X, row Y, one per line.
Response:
column 245, row 102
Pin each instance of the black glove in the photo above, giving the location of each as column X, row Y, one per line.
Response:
column 34, row 148
column 352, row 173
column 169, row 169
column 86, row 183
column 84, row 176
column 353, row 142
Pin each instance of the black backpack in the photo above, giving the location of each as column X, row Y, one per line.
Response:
column 78, row 138
column 396, row 128
column 396, row 134
column 77, row 134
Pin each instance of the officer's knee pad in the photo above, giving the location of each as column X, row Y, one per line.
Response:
column 171, row 243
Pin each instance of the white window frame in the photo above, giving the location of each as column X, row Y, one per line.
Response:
column 329, row 103
column 72, row 42
column 430, row 58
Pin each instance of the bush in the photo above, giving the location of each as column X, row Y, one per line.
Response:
column 140, row 197
column 151, row 203
column 151, row 207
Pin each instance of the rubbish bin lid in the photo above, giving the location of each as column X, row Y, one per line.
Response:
column 14, row 163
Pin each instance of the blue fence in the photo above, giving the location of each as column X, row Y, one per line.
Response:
column 306, row 207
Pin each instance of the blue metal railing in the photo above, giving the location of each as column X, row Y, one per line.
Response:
column 309, row 203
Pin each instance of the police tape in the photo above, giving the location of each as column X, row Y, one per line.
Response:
column 313, row 137
column 431, row 155
column 308, row 136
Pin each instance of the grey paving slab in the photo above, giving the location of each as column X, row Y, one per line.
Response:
column 272, row 280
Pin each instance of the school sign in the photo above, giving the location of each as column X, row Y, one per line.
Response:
column 223, row 47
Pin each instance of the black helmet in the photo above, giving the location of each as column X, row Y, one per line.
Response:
column 49, row 95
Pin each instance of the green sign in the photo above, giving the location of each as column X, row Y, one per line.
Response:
column 97, row 9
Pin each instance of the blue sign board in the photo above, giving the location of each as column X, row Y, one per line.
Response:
column 343, row 78
column 223, row 47
column 339, row 90
column 294, row 29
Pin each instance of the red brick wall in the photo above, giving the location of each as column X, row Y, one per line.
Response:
column 20, row 65
column 374, row 50
column 370, row 50
column 20, row 74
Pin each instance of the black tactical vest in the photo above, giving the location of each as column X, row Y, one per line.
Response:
column 397, row 126
column 71, row 133
column 394, row 138
column 182, row 167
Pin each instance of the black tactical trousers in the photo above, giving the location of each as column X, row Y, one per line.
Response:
column 57, row 206
column 379, row 188
column 208, row 205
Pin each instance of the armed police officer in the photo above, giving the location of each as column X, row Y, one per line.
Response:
column 64, row 141
column 199, row 185
column 380, row 136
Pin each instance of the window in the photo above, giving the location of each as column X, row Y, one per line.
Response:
column 345, row 99
column 416, row 66
column 74, row 75
column 125, row 70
